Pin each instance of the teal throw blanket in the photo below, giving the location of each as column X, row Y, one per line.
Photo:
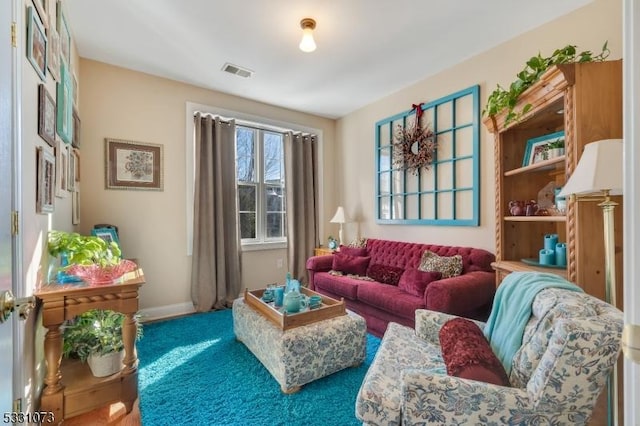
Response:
column 512, row 309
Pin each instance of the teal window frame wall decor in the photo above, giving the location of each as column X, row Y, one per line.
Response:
column 448, row 193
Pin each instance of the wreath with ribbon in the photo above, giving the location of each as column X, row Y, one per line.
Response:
column 414, row 146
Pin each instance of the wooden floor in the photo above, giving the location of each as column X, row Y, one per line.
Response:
column 112, row 415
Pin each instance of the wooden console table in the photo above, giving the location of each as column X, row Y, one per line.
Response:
column 70, row 388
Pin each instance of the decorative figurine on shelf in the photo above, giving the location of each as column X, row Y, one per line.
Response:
column 332, row 243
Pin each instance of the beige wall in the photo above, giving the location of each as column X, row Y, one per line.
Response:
column 588, row 28
column 124, row 104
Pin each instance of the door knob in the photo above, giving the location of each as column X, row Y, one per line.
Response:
column 8, row 304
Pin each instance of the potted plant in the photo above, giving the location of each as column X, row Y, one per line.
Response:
column 506, row 98
column 85, row 257
column 555, row 148
column 96, row 337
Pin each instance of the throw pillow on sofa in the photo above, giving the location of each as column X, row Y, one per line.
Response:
column 447, row 266
column 384, row 273
column 353, row 251
column 356, row 265
column 415, row 281
column 467, row 353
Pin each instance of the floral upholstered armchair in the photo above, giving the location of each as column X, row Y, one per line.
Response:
column 570, row 344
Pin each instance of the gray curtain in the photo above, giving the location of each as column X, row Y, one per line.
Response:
column 300, row 152
column 215, row 266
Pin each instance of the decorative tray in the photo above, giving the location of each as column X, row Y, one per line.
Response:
column 534, row 262
column 329, row 308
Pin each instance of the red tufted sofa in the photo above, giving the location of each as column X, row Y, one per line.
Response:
column 468, row 295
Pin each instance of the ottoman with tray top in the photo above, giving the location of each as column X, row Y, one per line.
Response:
column 302, row 347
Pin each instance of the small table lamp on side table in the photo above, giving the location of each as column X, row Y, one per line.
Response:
column 341, row 218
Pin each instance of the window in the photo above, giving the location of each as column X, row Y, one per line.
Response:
column 261, row 189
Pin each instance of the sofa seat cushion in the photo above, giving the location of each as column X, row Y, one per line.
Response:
column 399, row 350
column 339, row 285
column 390, row 299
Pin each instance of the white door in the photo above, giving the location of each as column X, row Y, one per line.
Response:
column 6, row 161
column 631, row 17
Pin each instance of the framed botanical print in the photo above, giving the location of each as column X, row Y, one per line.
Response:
column 64, row 119
column 45, row 180
column 46, row 115
column 36, row 44
column 133, row 165
column 53, row 53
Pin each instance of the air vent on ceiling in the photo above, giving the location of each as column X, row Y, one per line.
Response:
column 237, row 70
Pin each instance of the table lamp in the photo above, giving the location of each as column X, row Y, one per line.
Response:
column 597, row 176
column 341, row 218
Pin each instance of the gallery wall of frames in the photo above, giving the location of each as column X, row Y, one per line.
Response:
column 48, row 49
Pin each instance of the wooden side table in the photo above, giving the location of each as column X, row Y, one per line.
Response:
column 70, row 388
column 322, row 251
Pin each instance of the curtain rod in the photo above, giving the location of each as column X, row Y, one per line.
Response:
column 256, row 126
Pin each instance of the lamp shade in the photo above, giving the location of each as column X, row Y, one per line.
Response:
column 599, row 169
column 340, row 216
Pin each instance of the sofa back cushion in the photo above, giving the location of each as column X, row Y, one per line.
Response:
column 355, row 265
column 384, row 273
column 415, row 281
column 408, row 255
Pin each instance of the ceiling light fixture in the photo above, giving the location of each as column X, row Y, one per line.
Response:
column 307, row 44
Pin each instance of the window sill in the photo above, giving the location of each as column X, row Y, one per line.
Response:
column 275, row 245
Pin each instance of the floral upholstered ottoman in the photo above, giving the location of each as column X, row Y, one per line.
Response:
column 303, row 354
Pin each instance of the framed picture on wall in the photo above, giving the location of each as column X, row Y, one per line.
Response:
column 65, row 35
column 71, row 178
column 46, row 116
column 45, row 180
column 41, row 7
column 75, row 208
column 75, row 153
column 53, row 53
column 75, row 139
column 133, row 165
column 107, row 234
column 64, row 119
column 62, row 168
column 36, row 44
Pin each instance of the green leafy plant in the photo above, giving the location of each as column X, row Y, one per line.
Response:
column 95, row 332
column 558, row 143
column 83, row 249
column 501, row 98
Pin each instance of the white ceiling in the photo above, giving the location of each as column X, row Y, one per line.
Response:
column 366, row 49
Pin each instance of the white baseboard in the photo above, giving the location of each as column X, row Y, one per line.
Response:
column 167, row 311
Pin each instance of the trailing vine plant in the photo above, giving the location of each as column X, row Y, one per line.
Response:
column 414, row 146
column 502, row 98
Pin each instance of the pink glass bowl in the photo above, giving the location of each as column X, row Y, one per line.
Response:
column 102, row 275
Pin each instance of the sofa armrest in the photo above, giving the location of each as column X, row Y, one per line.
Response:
column 432, row 398
column 463, row 294
column 318, row 264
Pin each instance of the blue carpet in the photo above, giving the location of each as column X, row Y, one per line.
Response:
column 192, row 371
